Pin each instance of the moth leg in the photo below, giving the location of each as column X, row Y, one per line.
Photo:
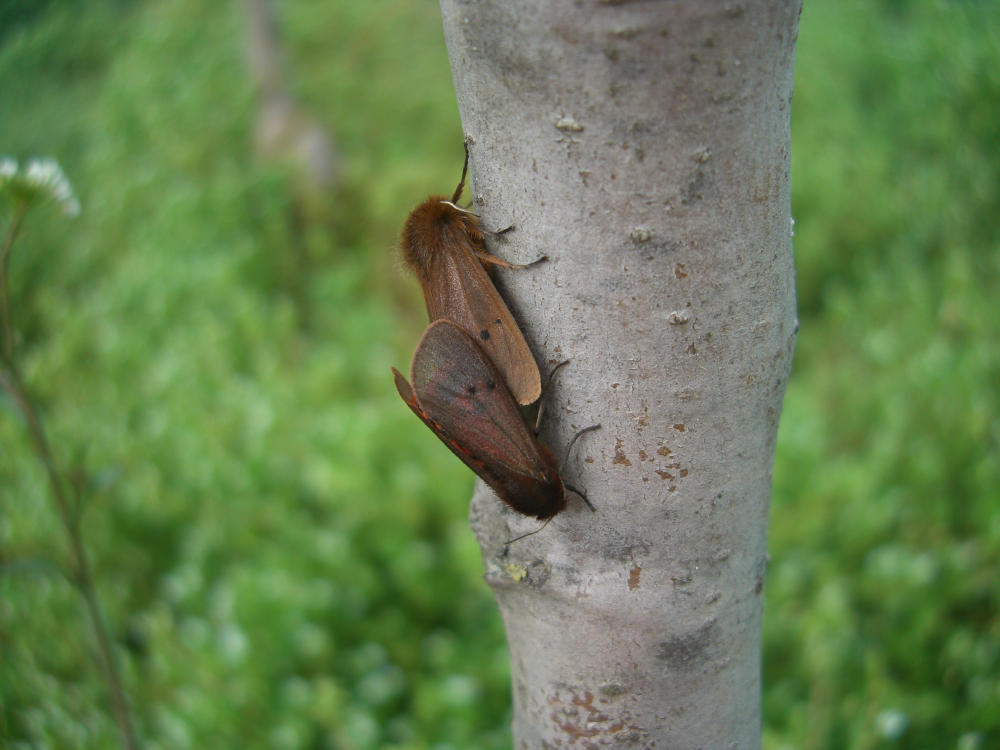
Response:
column 562, row 465
column 541, row 403
column 487, row 260
column 570, row 445
column 506, row 546
column 494, row 233
column 575, row 491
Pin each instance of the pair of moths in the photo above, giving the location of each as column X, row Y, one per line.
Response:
column 472, row 367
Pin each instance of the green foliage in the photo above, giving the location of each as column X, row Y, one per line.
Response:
column 283, row 553
column 882, row 624
column 279, row 565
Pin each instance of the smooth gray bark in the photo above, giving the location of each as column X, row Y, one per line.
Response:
column 644, row 147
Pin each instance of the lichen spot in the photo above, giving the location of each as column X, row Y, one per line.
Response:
column 516, row 572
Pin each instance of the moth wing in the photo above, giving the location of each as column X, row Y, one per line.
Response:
column 407, row 394
column 462, row 397
column 454, row 443
column 457, row 288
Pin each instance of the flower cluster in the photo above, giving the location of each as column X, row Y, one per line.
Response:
column 39, row 180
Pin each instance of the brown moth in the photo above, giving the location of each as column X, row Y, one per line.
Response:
column 460, row 394
column 444, row 246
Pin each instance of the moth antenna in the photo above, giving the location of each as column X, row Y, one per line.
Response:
column 459, row 208
column 461, row 182
column 540, row 528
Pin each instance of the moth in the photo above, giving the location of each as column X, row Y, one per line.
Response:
column 457, row 390
column 444, row 246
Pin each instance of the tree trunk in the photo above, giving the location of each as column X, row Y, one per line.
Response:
column 644, row 148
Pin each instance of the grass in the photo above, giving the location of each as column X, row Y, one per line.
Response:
column 238, row 469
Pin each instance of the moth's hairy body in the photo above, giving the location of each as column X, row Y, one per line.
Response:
column 445, row 247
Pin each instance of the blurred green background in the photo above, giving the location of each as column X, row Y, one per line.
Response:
column 283, row 550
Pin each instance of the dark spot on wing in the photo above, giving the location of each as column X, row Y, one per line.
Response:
column 490, row 385
column 471, row 389
column 484, row 334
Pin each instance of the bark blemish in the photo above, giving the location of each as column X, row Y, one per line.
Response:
column 734, row 11
column 625, row 32
column 641, row 234
column 587, row 724
column 612, row 689
column 620, row 454
column 761, row 572
column 538, row 574
column 696, row 187
column 625, row 549
column 688, row 650
column 515, row 571
column 633, row 578
column 567, row 124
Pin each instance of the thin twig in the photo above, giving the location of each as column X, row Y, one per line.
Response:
column 8, row 336
column 11, row 381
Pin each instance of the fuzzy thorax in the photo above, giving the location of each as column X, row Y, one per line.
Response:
column 432, row 228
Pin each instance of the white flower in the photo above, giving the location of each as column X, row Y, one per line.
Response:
column 40, row 179
column 8, row 168
column 46, row 175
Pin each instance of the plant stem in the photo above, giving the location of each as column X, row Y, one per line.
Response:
column 8, row 335
column 10, row 381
